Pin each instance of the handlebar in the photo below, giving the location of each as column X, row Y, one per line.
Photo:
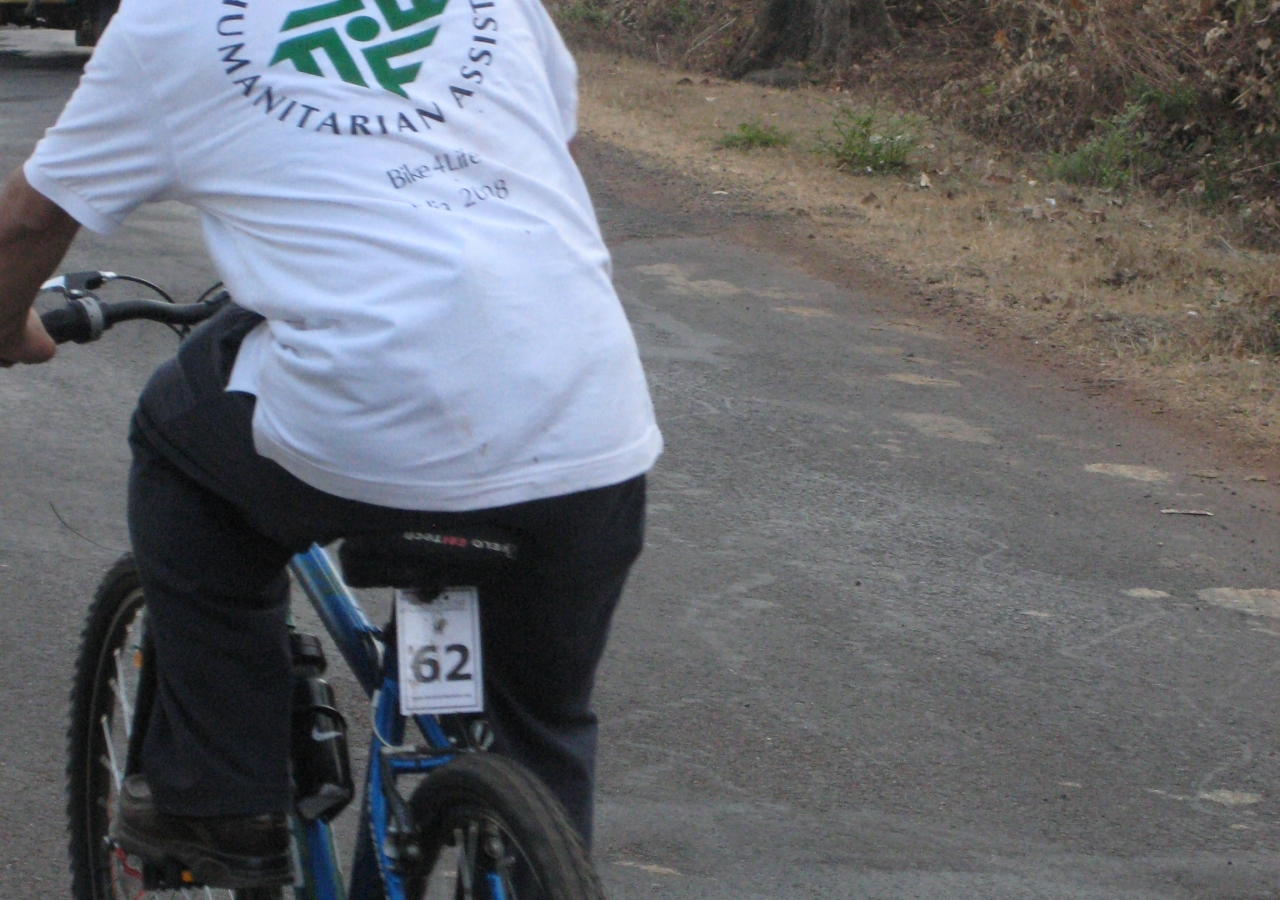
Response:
column 84, row 317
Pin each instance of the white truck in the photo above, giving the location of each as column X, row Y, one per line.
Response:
column 87, row 18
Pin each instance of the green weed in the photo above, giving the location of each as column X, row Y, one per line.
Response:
column 1115, row 157
column 581, row 12
column 863, row 146
column 751, row 135
column 1172, row 105
column 680, row 14
column 1248, row 328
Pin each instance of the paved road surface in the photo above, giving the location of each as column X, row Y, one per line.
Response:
column 906, row 627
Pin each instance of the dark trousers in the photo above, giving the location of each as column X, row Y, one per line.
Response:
column 213, row 526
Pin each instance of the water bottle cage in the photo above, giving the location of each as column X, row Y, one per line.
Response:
column 321, row 764
column 332, row 713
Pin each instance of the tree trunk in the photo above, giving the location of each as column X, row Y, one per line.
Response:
column 818, row 33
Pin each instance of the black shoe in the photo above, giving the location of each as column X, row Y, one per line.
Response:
column 223, row 852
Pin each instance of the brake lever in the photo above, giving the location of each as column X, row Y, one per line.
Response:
column 72, row 284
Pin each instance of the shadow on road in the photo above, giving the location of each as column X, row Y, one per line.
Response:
column 16, row 59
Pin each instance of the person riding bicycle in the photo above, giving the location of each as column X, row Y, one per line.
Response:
column 425, row 335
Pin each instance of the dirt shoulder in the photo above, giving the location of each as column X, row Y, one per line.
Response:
column 1138, row 298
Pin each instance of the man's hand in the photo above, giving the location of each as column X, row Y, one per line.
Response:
column 31, row 345
column 34, row 235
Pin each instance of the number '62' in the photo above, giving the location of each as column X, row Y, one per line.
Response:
column 426, row 664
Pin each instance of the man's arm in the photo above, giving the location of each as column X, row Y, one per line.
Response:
column 34, row 235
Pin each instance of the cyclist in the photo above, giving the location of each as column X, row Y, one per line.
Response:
column 426, row 335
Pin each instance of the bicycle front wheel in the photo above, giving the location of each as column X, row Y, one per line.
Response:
column 109, row 687
column 492, row 831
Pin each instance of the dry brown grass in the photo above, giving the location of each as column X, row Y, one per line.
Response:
column 1144, row 291
column 1186, row 91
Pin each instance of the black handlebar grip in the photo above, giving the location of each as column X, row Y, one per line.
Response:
column 68, row 323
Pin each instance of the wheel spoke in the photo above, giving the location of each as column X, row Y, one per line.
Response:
column 466, row 858
column 111, row 752
column 122, row 698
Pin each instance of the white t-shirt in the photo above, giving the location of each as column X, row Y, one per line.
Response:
column 388, row 183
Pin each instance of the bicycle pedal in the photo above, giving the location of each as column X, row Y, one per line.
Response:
column 170, row 875
column 167, row 875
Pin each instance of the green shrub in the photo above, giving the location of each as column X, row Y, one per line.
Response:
column 862, row 147
column 1115, row 157
column 680, row 14
column 1172, row 105
column 580, row 12
column 1249, row 328
column 751, row 135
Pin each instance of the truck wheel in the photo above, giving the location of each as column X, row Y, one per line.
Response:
column 97, row 13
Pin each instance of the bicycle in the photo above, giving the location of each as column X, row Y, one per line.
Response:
column 477, row 825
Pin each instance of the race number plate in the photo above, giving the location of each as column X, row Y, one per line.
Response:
column 439, row 645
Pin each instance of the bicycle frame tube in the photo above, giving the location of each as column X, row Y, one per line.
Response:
column 318, row 861
column 376, row 667
column 350, row 628
column 389, row 728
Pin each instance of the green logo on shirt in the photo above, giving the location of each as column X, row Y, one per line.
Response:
column 302, row 48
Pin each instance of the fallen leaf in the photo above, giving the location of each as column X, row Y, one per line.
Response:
column 1250, row 601
column 1230, row 798
column 1137, row 473
column 806, row 312
column 921, row 380
column 647, row 867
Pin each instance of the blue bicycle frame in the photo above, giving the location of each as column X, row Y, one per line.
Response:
column 373, row 661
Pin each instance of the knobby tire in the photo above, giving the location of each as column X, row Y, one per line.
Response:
column 113, row 616
column 491, row 788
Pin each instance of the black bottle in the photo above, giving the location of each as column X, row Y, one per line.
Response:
column 321, row 767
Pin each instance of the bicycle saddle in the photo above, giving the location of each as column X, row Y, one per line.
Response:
column 429, row 558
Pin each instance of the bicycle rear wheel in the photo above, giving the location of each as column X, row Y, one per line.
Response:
column 492, row 831
column 109, row 683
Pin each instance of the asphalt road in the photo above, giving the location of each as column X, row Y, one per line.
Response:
column 910, row 623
